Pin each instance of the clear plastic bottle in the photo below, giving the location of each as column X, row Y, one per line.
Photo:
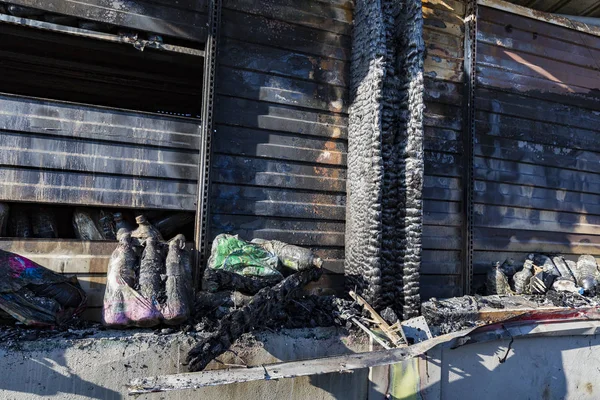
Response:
column 587, row 272
column 145, row 230
column 521, row 279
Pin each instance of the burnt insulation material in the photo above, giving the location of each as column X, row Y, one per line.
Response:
column 385, row 155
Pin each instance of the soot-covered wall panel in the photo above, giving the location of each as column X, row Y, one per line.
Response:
column 280, row 140
column 536, row 154
column 442, row 257
column 385, row 157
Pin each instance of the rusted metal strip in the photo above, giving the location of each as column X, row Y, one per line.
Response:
column 123, row 39
column 470, row 69
column 553, row 19
column 210, row 69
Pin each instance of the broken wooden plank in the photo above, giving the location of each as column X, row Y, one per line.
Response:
column 383, row 325
column 291, row 369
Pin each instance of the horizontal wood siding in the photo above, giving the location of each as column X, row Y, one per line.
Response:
column 442, row 192
column 280, row 141
column 53, row 152
column 537, row 153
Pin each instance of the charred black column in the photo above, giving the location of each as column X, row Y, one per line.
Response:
column 385, row 155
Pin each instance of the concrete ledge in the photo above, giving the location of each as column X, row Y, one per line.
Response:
column 99, row 366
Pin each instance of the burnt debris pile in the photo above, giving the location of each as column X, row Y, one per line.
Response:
column 541, row 274
column 259, row 285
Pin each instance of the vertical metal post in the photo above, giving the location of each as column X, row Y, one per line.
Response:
column 206, row 130
column 470, row 81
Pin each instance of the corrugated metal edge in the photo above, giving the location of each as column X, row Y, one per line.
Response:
column 470, row 68
column 554, row 19
column 202, row 237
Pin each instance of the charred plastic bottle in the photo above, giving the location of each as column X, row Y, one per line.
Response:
column 496, row 282
column 4, row 210
column 121, row 223
column 168, row 226
column 106, row 224
column 19, row 224
column 43, row 224
column 84, row 226
column 151, row 269
column 508, row 267
column 290, row 256
column 178, row 284
column 145, row 230
column 521, row 279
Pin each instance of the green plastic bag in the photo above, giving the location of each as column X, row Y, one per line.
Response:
column 233, row 254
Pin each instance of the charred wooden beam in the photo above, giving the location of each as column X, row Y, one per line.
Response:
column 266, row 303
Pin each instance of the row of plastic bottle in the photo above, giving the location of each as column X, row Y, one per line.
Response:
column 541, row 273
column 148, row 281
column 88, row 224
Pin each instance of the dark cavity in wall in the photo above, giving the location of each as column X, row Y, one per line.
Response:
column 385, row 157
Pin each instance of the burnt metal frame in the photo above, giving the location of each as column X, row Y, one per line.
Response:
column 201, row 231
column 470, row 73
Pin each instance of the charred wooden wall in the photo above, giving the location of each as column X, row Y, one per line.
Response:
column 441, row 263
column 280, row 140
column 536, row 159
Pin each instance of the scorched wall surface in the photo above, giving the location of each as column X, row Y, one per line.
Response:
column 443, row 33
column 280, row 140
column 536, row 154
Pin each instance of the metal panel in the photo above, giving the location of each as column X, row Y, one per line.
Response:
column 279, row 151
column 181, row 19
column 536, row 150
column 442, row 189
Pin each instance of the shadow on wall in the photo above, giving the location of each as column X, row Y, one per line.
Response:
column 47, row 377
column 528, row 368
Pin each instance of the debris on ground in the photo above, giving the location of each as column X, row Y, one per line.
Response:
column 267, row 303
column 37, row 296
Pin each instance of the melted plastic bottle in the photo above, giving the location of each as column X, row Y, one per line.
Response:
column 290, row 256
column 178, row 285
column 145, row 230
column 151, row 269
